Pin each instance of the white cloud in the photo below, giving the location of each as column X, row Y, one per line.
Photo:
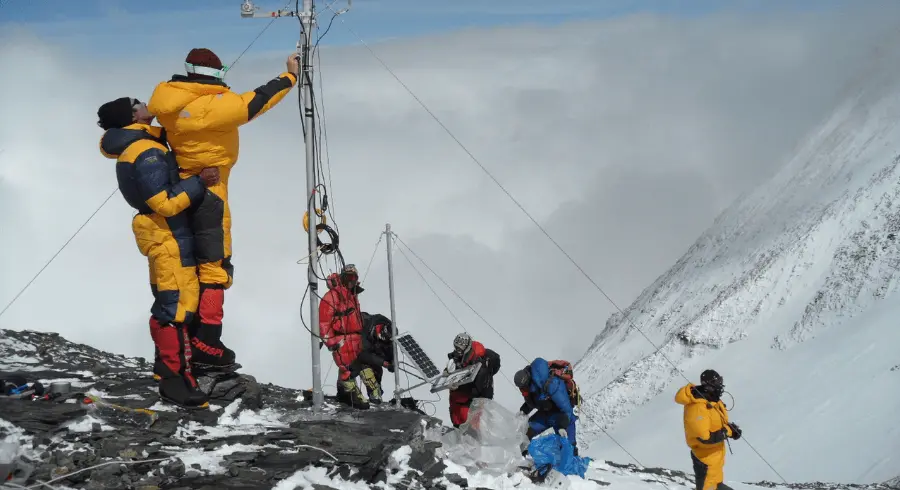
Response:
column 624, row 137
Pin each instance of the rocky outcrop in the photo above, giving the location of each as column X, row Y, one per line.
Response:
column 111, row 430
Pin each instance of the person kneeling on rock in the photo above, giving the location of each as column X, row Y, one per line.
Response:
column 376, row 355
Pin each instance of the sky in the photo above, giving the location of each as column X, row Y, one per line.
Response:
column 624, row 131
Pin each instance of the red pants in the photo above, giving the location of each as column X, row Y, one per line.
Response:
column 459, row 407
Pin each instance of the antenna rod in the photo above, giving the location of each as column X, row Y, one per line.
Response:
column 390, row 261
column 306, row 80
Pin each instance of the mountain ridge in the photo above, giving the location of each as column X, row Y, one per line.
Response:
column 807, row 252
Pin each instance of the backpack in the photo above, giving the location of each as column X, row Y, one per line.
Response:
column 563, row 370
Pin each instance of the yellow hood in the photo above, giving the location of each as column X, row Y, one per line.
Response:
column 685, row 395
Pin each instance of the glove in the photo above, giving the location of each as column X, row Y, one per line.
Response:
column 389, row 366
column 735, row 431
column 563, row 433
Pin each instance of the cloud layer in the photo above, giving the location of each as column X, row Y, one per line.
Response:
column 625, row 138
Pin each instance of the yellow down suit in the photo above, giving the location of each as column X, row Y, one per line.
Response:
column 148, row 180
column 201, row 118
column 705, row 430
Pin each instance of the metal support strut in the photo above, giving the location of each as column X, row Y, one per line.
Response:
column 390, row 262
column 306, row 79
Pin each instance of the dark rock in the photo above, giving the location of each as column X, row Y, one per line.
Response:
column 175, row 468
column 353, row 445
column 99, row 368
column 457, row 480
column 235, row 457
column 39, row 418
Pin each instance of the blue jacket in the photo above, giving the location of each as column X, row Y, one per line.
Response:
column 548, row 393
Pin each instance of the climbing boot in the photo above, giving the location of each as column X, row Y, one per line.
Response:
column 206, row 332
column 177, row 384
column 350, row 394
column 373, row 387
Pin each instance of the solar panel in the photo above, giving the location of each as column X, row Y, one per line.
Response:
column 461, row 377
column 421, row 360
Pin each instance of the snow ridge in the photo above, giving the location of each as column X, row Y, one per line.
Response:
column 814, row 247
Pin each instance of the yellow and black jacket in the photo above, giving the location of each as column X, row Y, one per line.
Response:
column 202, row 118
column 705, row 431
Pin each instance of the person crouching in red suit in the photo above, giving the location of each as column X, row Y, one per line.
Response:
column 465, row 353
column 340, row 324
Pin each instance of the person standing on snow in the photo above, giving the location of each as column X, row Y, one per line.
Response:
column 550, row 396
column 376, row 354
column 467, row 352
column 201, row 116
column 341, row 327
column 147, row 175
column 706, row 428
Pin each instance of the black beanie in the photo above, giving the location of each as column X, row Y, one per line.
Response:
column 116, row 114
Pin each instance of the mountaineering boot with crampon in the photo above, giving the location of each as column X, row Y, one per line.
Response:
column 206, row 332
column 373, row 386
column 348, row 393
column 177, row 384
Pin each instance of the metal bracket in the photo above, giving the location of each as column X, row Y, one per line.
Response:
column 249, row 9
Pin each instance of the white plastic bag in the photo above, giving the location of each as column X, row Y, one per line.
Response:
column 491, row 439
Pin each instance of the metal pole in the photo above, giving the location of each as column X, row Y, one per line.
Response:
column 306, row 80
column 390, row 261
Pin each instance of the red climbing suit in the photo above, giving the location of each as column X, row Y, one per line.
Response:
column 461, row 398
column 340, row 324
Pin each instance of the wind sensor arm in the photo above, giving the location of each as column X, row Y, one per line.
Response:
column 249, row 11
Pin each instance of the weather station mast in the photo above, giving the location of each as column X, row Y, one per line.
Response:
column 307, row 19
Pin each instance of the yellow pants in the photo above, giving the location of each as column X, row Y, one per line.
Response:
column 708, row 476
column 173, row 274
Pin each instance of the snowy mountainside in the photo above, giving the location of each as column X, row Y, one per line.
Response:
column 806, row 253
column 256, row 437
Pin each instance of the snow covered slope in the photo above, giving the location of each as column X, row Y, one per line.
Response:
column 789, row 295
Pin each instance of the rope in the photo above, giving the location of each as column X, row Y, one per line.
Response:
column 16, row 297
column 458, row 296
column 372, row 258
column 436, row 295
column 530, row 217
column 231, row 66
column 68, row 475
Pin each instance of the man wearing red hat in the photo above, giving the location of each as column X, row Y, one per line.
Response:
column 201, row 116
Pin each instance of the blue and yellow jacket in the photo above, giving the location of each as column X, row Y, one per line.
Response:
column 148, row 180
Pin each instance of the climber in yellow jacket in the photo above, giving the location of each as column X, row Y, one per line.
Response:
column 706, row 428
column 201, row 116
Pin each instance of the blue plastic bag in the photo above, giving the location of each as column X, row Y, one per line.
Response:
column 555, row 452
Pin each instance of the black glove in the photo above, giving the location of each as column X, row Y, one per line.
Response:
column 389, row 366
column 735, row 431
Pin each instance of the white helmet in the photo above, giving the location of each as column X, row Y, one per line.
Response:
column 462, row 344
